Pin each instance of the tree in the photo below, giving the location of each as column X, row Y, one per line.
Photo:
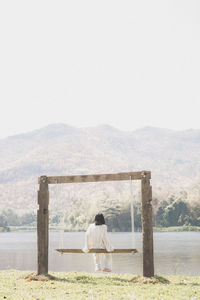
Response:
column 176, row 214
column 159, row 218
column 3, row 221
column 11, row 217
column 27, row 219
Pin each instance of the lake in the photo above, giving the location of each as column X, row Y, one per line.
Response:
column 174, row 252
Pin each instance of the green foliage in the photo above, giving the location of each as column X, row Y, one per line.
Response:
column 160, row 214
column 10, row 218
column 172, row 211
column 55, row 219
column 116, row 212
column 3, row 221
column 175, row 214
column 176, row 228
column 27, row 219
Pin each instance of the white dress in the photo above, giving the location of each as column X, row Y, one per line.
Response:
column 96, row 238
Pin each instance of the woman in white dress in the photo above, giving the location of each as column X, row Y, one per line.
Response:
column 96, row 238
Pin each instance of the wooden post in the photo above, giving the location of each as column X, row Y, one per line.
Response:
column 43, row 226
column 147, row 227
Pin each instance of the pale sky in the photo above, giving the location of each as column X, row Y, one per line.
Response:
column 129, row 64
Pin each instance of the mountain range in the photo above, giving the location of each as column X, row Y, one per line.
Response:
column 173, row 157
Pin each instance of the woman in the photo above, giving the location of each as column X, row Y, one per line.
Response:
column 96, row 238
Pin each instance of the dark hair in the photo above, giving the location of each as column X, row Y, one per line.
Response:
column 99, row 219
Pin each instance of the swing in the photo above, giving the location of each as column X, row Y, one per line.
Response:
column 97, row 251
column 129, row 250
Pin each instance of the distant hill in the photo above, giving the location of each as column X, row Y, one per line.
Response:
column 59, row 149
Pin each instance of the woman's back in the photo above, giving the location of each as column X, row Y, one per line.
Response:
column 96, row 238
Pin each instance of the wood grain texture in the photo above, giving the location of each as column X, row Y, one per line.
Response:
column 97, row 251
column 43, row 227
column 96, row 177
column 147, row 228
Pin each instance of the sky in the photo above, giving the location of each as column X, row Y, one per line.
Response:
column 125, row 63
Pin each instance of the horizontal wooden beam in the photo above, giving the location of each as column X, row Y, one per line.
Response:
column 97, row 251
column 95, row 177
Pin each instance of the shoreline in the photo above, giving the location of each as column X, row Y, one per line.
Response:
column 56, row 229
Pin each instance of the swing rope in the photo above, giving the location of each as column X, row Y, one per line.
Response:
column 132, row 214
column 61, row 231
column 132, row 250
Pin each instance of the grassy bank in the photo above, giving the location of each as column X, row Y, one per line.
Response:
column 176, row 228
column 20, row 285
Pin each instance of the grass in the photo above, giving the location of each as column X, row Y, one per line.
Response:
column 20, row 285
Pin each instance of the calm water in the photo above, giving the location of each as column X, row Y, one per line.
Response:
column 174, row 253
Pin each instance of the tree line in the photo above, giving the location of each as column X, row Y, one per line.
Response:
column 173, row 211
column 11, row 218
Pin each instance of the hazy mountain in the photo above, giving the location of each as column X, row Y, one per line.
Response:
column 58, row 149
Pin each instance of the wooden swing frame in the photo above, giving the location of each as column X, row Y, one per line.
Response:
column 43, row 216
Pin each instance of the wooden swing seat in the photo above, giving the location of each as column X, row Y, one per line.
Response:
column 97, row 251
